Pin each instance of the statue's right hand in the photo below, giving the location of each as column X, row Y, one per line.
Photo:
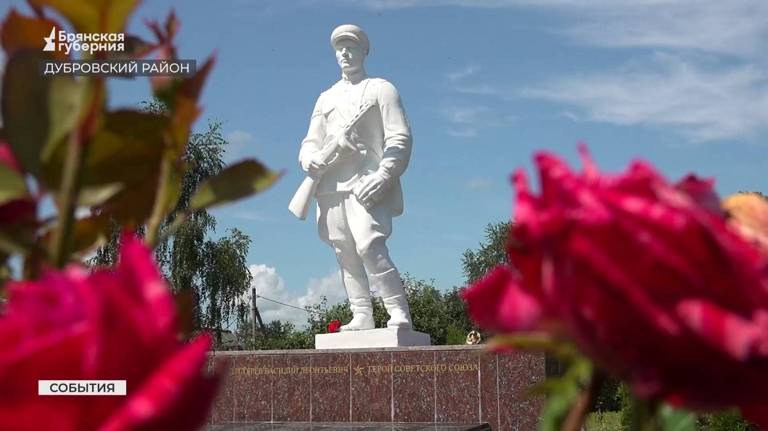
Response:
column 313, row 164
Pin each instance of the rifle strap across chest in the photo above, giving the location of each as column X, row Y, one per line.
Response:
column 347, row 108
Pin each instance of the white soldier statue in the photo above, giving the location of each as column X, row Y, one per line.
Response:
column 357, row 147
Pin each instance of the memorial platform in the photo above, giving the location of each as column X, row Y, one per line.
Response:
column 395, row 388
column 379, row 337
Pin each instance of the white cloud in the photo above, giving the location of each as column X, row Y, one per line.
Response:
column 570, row 116
column 479, row 90
column 731, row 27
column 396, row 4
column 479, row 184
column 252, row 215
column 462, row 132
column 577, row 4
column 734, row 27
column 329, row 287
column 239, row 137
column 462, row 73
column 466, row 114
column 467, row 120
column 703, row 103
column 459, row 84
column 269, row 284
column 709, row 82
column 239, row 141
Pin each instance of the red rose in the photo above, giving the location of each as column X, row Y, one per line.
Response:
column 647, row 277
column 111, row 324
column 334, row 326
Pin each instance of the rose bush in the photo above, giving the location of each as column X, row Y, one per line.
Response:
column 648, row 278
column 114, row 324
column 118, row 169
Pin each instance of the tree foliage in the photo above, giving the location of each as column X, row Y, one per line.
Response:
column 214, row 273
column 439, row 314
column 101, row 174
column 225, row 278
column 280, row 336
column 492, row 252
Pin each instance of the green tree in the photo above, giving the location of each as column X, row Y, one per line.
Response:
column 213, row 272
column 427, row 308
column 280, row 335
column 492, row 252
column 726, row 421
column 476, row 263
column 224, row 279
column 455, row 310
column 320, row 315
column 106, row 255
column 181, row 256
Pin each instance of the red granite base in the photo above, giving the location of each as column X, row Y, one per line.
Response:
column 434, row 384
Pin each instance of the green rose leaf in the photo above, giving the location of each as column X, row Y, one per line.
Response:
column 97, row 195
column 12, row 185
column 38, row 111
column 234, row 182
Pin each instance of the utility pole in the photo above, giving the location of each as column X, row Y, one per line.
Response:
column 255, row 316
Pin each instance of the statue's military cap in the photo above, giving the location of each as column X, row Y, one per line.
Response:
column 350, row 31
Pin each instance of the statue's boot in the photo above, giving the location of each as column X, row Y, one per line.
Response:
column 392, row 292
column 359, row 303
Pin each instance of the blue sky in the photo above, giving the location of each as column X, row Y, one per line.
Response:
column 682, row 83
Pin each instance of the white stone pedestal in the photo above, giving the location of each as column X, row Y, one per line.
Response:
column 380, row 337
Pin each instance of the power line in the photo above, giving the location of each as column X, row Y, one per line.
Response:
column 286, row 305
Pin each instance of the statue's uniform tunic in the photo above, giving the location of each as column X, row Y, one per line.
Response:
column 384, row 137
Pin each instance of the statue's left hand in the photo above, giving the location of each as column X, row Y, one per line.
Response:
column 369, row 188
